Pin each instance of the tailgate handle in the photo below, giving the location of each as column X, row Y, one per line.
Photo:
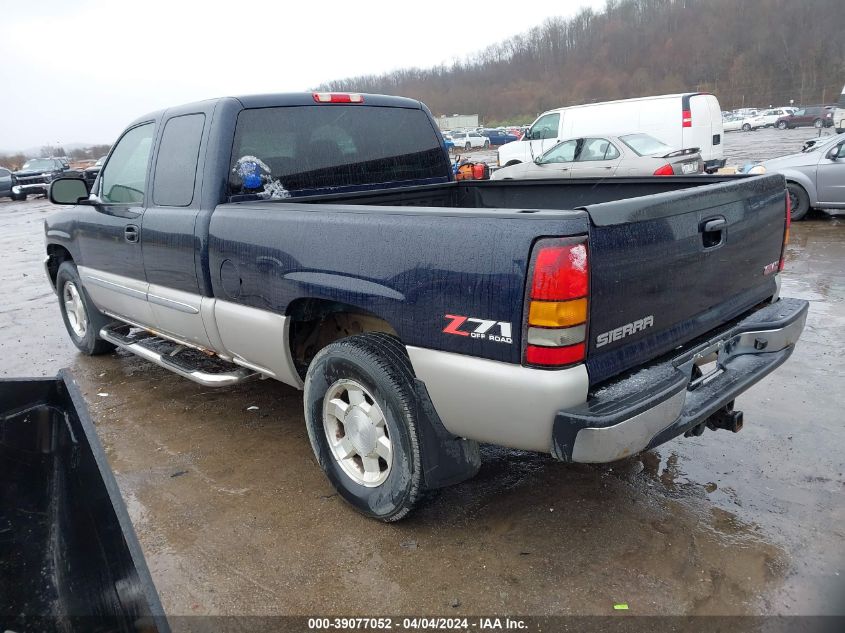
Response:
column 715, row 224
column 711, row 232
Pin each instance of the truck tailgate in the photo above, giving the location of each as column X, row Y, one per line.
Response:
column 659, row 278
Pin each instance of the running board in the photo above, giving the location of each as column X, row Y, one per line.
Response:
column 186, row 362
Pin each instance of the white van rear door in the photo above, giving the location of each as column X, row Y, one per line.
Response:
column 704, row 129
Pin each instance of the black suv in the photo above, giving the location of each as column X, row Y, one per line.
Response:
column 36, row 174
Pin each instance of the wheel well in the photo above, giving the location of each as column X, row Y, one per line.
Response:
column 513, row 162
column 316, row 323
column 57, row 255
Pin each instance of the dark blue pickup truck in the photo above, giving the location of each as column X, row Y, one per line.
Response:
column 321, row 240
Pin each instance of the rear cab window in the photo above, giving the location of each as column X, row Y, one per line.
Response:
column 286, row 151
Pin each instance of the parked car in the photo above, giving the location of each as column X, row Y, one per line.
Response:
column 7, row 181
column 681, row 120
column 34, row 176
column 815, row 116
column 815, row 177
column 468, row 140
column 735, row 123
column 579, row 328
column 89, row 174
column 499, row 137
column 766, row 118
column 606, row 156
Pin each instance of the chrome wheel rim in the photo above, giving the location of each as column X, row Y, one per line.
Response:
column 75, row 309
column 357, row 433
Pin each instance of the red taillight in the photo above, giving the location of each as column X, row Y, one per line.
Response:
column 666, row 170
column 686, row 118
column 536, row 355
column 556, row 309
column 782, row 261
column 560, row 273
column 338, row 97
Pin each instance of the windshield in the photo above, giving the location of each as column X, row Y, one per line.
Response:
column 645, row 145
column 42, row 164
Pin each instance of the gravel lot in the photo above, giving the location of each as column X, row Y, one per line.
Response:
column 235, row 517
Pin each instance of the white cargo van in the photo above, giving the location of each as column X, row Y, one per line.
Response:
column 692, row 119
column 839, row 114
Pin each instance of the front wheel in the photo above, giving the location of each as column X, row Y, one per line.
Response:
column 746, row 127
column 799, row 201
column 82, row 319
column 486, row 144
column 360, row 409
column 19, row 197
column 781, row 125
column 818, row 123
column 468, row 146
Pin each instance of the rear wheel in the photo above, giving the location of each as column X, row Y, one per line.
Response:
column 468, row 146
column 82, row 319
column 746, row 127
column 360, row 413
column 486, row 144
column 799, row 201
column 818, row 123
column 781, row 125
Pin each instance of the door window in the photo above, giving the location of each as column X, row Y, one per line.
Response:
column 562, row 153
column 545, row 127
column 597, row 149
column 124, row 177
column 176, row 166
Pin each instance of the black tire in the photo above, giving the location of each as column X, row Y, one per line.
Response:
column 379, row 363
column 486, row 144
column 746, row 127
column 468, row 146
column 840, row 130
column 19, row 197
column 799, row 200
column 91, row 343
column 781, row 125
column 818, row 124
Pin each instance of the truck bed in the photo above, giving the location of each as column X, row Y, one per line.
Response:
column 654, row 275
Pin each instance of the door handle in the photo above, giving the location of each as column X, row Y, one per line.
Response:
column 130, row 233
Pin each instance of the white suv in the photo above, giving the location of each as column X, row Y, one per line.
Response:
column 468, row 140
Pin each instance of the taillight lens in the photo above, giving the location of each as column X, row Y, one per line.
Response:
column 686, row 118
column 666, row 170
column 556, row 310
column 782, row 261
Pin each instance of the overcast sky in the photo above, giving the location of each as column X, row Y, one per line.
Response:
column 79, row 71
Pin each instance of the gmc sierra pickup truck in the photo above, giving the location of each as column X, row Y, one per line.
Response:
column 321, row 240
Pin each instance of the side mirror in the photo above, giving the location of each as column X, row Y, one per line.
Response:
column 834, row 152
column 68, row 191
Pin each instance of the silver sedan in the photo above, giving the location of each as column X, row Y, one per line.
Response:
column 604, row 156
column 815, row 177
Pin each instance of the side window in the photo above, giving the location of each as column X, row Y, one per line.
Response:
column 176, row 165
column 597, row 149
column 545, row 127
column 124, row 176
column 563, row 153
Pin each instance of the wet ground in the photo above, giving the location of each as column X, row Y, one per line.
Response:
column 235, row 517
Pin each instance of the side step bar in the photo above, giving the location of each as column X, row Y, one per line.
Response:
column 118, row 334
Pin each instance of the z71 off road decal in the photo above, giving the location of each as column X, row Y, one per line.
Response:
column 496, row 331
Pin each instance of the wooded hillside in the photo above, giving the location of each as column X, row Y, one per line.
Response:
column 747, row 52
